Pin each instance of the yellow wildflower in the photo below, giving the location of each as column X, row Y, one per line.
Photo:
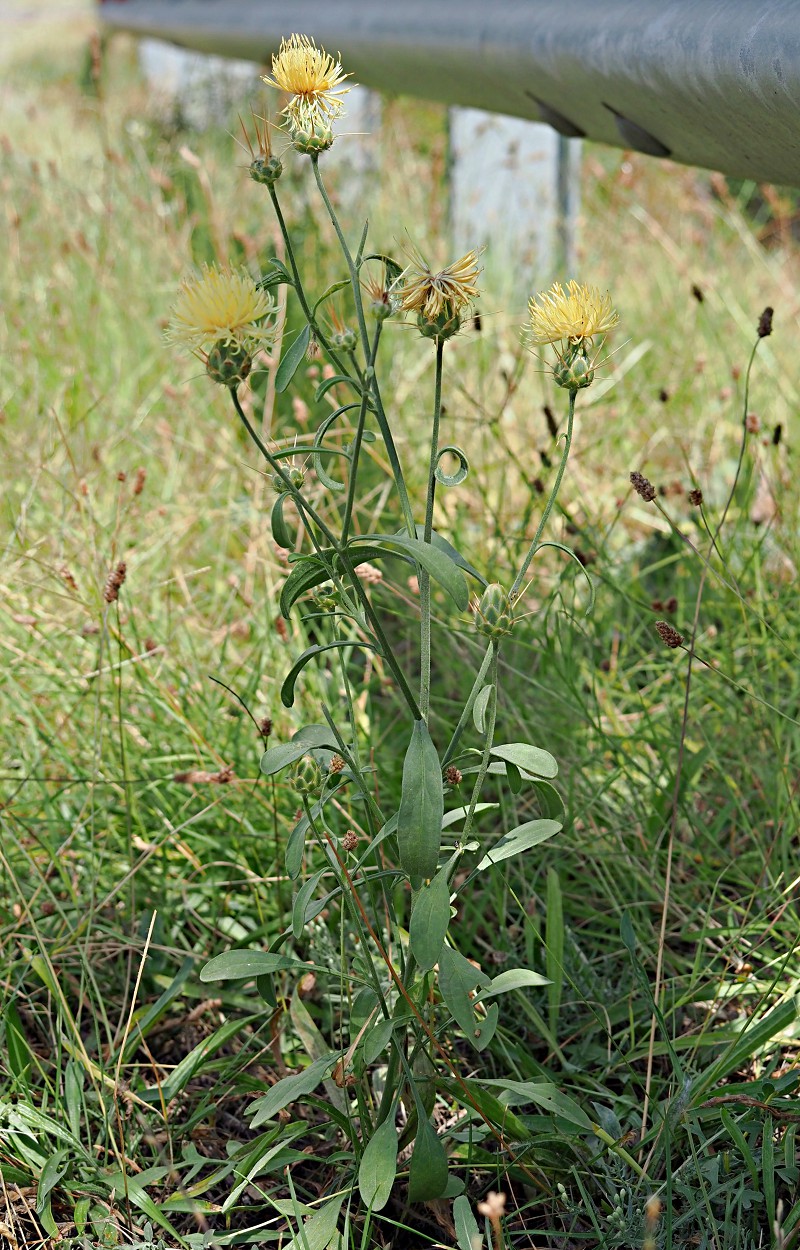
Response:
column 569, row 316
column 313, row 78
column 449, row 291
column 221, row 306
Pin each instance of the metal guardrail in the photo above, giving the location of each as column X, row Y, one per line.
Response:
column 714, row 83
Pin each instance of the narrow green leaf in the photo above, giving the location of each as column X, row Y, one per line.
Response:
column 291, row 1088
column 468, row 1235
column 378, row 1169
column 457, row 978
column 527, row 759
column 430, row 557
column 17, row 1048
column 419, row 820
column 443, row 545
column 315, row 1045
column 319, row 1229
column 305, row 740
column 325, row 386
column 430, row 918
column 52, row 1172
column 552, row 805
column 310, row 572
column 451, row 479
column 73, row 1094
column 472, row 1095
column 376, row 1040
column 549, row 1097
column 291, row 360
column 479, row 708
column 280, row 531
column 287, row 689
column 513, row 979
column 301, row 901
column 332, row 289
column 427, row 1176
column 520, row 839
column 244, row 965
column 554, row 948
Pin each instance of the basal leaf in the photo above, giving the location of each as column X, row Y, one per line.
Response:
column 378, row 1169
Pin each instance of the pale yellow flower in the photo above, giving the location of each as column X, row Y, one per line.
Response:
column 569, row 316
column 313, row 78
column 221, row 306
column 449, row 291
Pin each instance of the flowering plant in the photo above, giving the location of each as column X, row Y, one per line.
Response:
column 409, row 1000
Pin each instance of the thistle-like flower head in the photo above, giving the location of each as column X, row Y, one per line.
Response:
column 570, row 320
column 312, row 78
column 219, row 307
column 449, row 291
column 580, row 312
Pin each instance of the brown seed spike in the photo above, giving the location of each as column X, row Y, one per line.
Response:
column 669, row 635
column 696, row 497
column 643, row 486
column 765, row 322
column 114, row 582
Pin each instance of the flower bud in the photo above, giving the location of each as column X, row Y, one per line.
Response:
column 383, row 306
column 495, row 616
column 344, row 340
column 325, row 597
column 312, row 141
column 443, row 326
column 296, row 477
column 306, row 776
column 266, row 171
column 228, row 364
column 573, row 370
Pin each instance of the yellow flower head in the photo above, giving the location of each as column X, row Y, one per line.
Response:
column 221, row 306
column 313, row 78
column 569, row 316
column 431, row 294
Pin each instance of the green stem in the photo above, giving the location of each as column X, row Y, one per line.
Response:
column 549, row 505
column 319, row 334
column 386, row 433
column 357, row 441
column 347, row 564
column 424, row 576
column 742, row 446
column 477, row 686
column 491, row 719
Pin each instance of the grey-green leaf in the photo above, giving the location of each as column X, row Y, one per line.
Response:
column 513, row 979
column 378, row 1168
column 429, row 920
column 520, row 839
column 419, row 820
column 468, row 1235
column 310, row 736
column 244, row 965
column 319, row 1229
column 291, row 1088
column 291, row 359
column 527, row 759
column 479, row 708
column 438, row 563
column 457, row 978
column 427, row 1177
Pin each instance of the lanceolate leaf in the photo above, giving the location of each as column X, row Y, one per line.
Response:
column 292, row 1087
column 468, row 1235
column 527, row 759
column 310, row 736
column 243, row 965
column 287, row 689
column 427, row 1178
column 378, row 1167
column 291, row 359
column 305, row 575
column 429, row 920
column 419, row 820
column 457, row 978
column 438, row 563
column 520, row 839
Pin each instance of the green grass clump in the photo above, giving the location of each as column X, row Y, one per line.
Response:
column 138, row 839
